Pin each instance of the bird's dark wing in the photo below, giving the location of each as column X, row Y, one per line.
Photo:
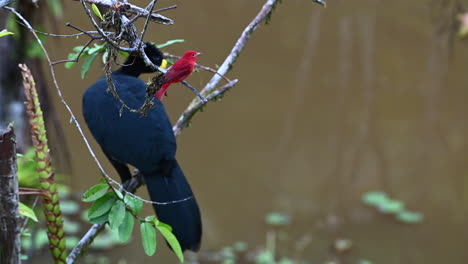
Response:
column 130, row 137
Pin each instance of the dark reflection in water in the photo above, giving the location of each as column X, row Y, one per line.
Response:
column 331, row 103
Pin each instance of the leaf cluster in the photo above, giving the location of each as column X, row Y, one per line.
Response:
column 120, row 211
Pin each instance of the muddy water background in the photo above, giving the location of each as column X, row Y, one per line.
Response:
column 331, row 103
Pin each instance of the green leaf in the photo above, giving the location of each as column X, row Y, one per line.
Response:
column 104, row 56
column 117, row 215
column 73, row 55
column 97, row 48
column 119, row 194
column 100, row 219
column 24, row 210
column 87, row 64
column 164, row 225
column 96, row 11
column 172, row 240
column 374, row 198
column 126, row 228
column 169, row 42
column 95, row 192
column 134, row 203
column 5, row 33
column 102, row 205
column 148, row 236
column 410, row 217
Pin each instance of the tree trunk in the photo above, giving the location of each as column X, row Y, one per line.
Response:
column 10, row 246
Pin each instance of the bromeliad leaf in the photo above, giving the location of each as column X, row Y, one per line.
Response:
column 24, row 210
column 148, row 236
column 95, row 192
column 96, row 11
column 87, row 64
column 126, row 228
column 102, row 205
column 172, row 240
column 169, row 42
column 134, row 203
column 117, row 214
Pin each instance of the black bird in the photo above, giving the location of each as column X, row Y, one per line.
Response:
column 146, row 143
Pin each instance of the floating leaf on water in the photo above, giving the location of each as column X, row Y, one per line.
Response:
column 374, row 198
column 277, row 218
column 240, row 246
column 391, row 207
column 342, row 245
column 410, row 217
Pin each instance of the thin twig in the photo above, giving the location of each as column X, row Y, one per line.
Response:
column 165, row 9
column 145, row 26
column 77, row 56
column 135, row 10
column 172, row 56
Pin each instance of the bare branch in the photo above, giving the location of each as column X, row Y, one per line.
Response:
column 264, row 13
column 135, row 10
column 77, row 56
column 165, row 9
column 193, row 108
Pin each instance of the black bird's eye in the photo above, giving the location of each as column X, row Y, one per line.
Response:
column 193, row 55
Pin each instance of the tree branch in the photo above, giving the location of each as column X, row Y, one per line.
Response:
column 193, row 107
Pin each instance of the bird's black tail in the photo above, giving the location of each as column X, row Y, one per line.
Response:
column 169, row 184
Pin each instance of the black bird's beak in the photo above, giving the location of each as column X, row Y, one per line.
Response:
column 321, row 2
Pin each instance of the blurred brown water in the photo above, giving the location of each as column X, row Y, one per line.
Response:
column 363, row 95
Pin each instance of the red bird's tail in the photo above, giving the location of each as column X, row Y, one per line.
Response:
column 162, row 91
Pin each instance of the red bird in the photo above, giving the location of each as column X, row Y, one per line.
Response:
column 181, row 69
